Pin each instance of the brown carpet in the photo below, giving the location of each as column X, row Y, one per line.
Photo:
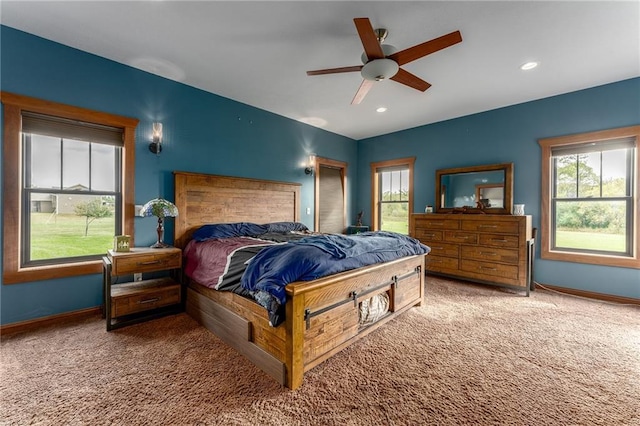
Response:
column 471, row 355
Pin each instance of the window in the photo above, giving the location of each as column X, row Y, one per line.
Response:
column 590, row 192
column 392, row 192
column 68, row 184
column 71, row 197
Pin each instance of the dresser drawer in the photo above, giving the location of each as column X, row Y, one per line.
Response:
column 496, row 270
column 434, row 222
column 495, row 240
column 440, row 263
column 461, row 237
column 490, row 254
column 506, row 227
column 142, row 296
column 444, row 249
column 146, row 262
column 428, row 235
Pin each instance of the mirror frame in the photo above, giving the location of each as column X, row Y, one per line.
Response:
column 508, row 188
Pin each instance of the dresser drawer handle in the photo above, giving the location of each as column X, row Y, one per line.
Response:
column 488, row 253
column 155, row 299
column 151, row 262
column 430, row 235
column 499, row 241
column 462, row 237
column 436, row 223
column 437, row 248
column 482, row 268
column 487, row 226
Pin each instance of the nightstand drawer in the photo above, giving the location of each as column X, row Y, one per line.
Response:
column 146, row 261
column 144, row 295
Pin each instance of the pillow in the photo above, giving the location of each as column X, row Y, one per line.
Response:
column 228, row 230
column 286, row 227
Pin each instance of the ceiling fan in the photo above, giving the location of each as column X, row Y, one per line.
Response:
column 381, row 62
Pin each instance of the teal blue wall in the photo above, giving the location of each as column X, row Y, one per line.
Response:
column 510, row 135
column 202, row 133
column 211, row 134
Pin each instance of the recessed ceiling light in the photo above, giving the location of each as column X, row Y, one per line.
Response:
column 528, row 66
column 381, row 109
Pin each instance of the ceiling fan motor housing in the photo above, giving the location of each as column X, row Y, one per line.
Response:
column 387, row 49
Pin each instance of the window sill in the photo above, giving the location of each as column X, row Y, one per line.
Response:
column 51, row 272
column 592, row 259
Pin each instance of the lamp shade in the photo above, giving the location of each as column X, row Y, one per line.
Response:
column 379, row 69
column 159, row 207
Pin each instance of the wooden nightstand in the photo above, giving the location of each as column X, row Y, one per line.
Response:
column 351, row 230
column 135, row 301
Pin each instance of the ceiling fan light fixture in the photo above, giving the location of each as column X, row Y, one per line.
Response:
column 379, row 69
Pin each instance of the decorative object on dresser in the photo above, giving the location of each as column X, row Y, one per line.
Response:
column 490, row 249
column 160, row 208
column 135, row 301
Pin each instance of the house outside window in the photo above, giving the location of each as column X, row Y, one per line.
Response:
column 590, row 198
column 392, row 190
column 68, row 187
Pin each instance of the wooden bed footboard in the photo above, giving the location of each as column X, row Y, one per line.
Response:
column 322, row 316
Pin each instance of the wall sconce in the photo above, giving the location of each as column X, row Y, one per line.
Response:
column 311, row 165
column 156, row 145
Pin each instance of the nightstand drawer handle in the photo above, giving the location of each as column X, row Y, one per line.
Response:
column 155, row 299
column 151, row 262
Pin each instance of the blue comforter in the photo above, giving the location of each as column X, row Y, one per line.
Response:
column 317, row 256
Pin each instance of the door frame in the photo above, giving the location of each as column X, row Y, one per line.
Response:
column 334, row 164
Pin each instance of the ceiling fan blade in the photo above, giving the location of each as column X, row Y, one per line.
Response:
column 419, row 50
column 372, row 47
column 408, row 79
column 362, row 91
column 335, row 70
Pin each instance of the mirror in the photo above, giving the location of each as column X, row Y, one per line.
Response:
column 475, row 189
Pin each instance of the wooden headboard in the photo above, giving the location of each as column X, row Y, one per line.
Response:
column 203, row 199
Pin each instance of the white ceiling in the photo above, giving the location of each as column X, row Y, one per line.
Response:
column 258, row 52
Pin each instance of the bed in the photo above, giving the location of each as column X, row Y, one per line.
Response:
column 323, row 316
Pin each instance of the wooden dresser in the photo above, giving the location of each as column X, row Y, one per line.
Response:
column 491, row 249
